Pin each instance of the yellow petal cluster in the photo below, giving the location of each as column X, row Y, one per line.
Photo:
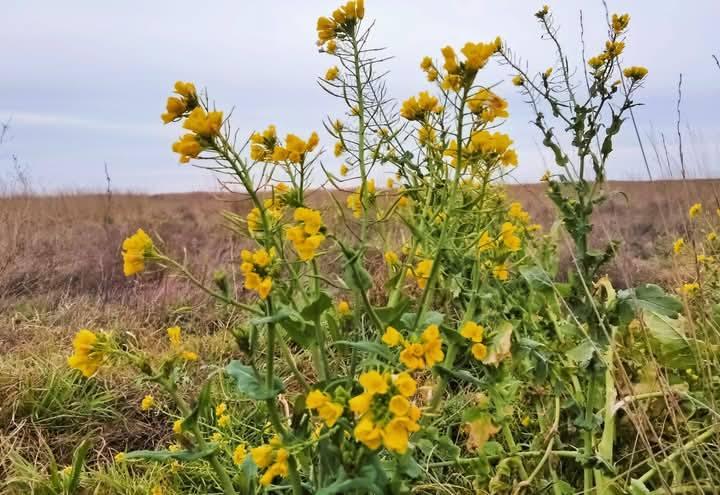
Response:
column 636, row 73
column 306, row 235
column 342, row 19
column 421, row 272
column 176, row 107
column 328, row 410
column 273, row 211
column 488, row 106
column 295, row 148
column 87, row 355
column 425, row 352
column 272, row 458
column 204, row 127
column 386, row 415
column 262, row 144
column 475, row 333
column 256, row 267
column 135, row 249
column 420, row 106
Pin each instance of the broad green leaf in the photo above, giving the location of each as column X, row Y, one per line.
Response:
column 317, row 307
column 536, row 277
column 364, row 483
column 370, row 347
column 166, row 455
column 582, row 353
column 249, row 384
column 646, row 298
column 671, row 345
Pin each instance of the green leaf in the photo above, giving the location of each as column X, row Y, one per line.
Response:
column 370, row 347
column 582, row 353
column 671, row 346
column 429, row 318
column 646, row 298
column 390, row 315
column 408, row 466
column 77, row 465
column 317, row 307
column 249, row 384
column 166, row 455
column 461, row 375
column 536, row 277
column 365, row 482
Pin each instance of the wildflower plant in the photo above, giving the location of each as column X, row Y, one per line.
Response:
column 471, row 311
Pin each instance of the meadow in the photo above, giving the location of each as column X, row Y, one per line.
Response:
column 447, row 331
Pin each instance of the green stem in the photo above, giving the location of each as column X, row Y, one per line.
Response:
column 605, row 447
column 570, row 454
column 507, row 434
column 588, row 437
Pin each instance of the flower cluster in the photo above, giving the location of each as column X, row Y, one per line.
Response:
column 342, row 20
column 175, row 337
column 386, row 415
column 459, row 74
column 307, row 234
column 418, row 352
column 418, row 108
column 88, row 352
column 263, row 144
column 273, row 213
column 354, row 200
column 488, row 106
column 135, row 250
column 475, row 333
column 421, row 272
column 328, row 410
column 204, row 127
column 271, row 457
column 256, row 267
column 178, row 107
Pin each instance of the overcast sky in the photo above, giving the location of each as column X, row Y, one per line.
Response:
column 84, row 82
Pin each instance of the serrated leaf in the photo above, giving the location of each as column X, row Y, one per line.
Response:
column 249, row 384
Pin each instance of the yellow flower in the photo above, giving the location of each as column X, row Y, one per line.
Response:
column 501, row 272
column 689, row 289
column 339, row 148
column 262, row 456
column 636, row 73
column 525, row 421
column 87, row 356
column 451, row 63
column 613, row 49
column 511, row 241
column 426, row 63
column 224, row 421
column 360, row 404
column 220, row 409
column 391, row 258
column 368, row 433
column 332, row 73
column 120, row 457
column 331, row 47
column 344, row 170
column 695, row 210
column 518, row 80
column 239, row 454
column 432, row 75
column 187, row 147
column 418, row 108
column 185, row 89
column 399, row 405
column 423, row 354
column 264, row 288
column 711, row 237
column 373, row 382
column 343, row 308
column 422, row 272
column 174, row 335
column 396, row 434
column 157, row 490
column 598, row 61
column 178, row 426
column 678, row 245
column 620, row 22
column 472, row 331
column 548, row 72
column 426, row 135
column 405, row 384
column 189, row 355
column 204, row 124
column 516, row 212
column 135, row 249
column 486, row 242
column 477, row 54
column 488, row 105
column 392, row 337
column 175, row 107
column 479, row 351
column 542, row 12
column 147, row 403
column 305, row 235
